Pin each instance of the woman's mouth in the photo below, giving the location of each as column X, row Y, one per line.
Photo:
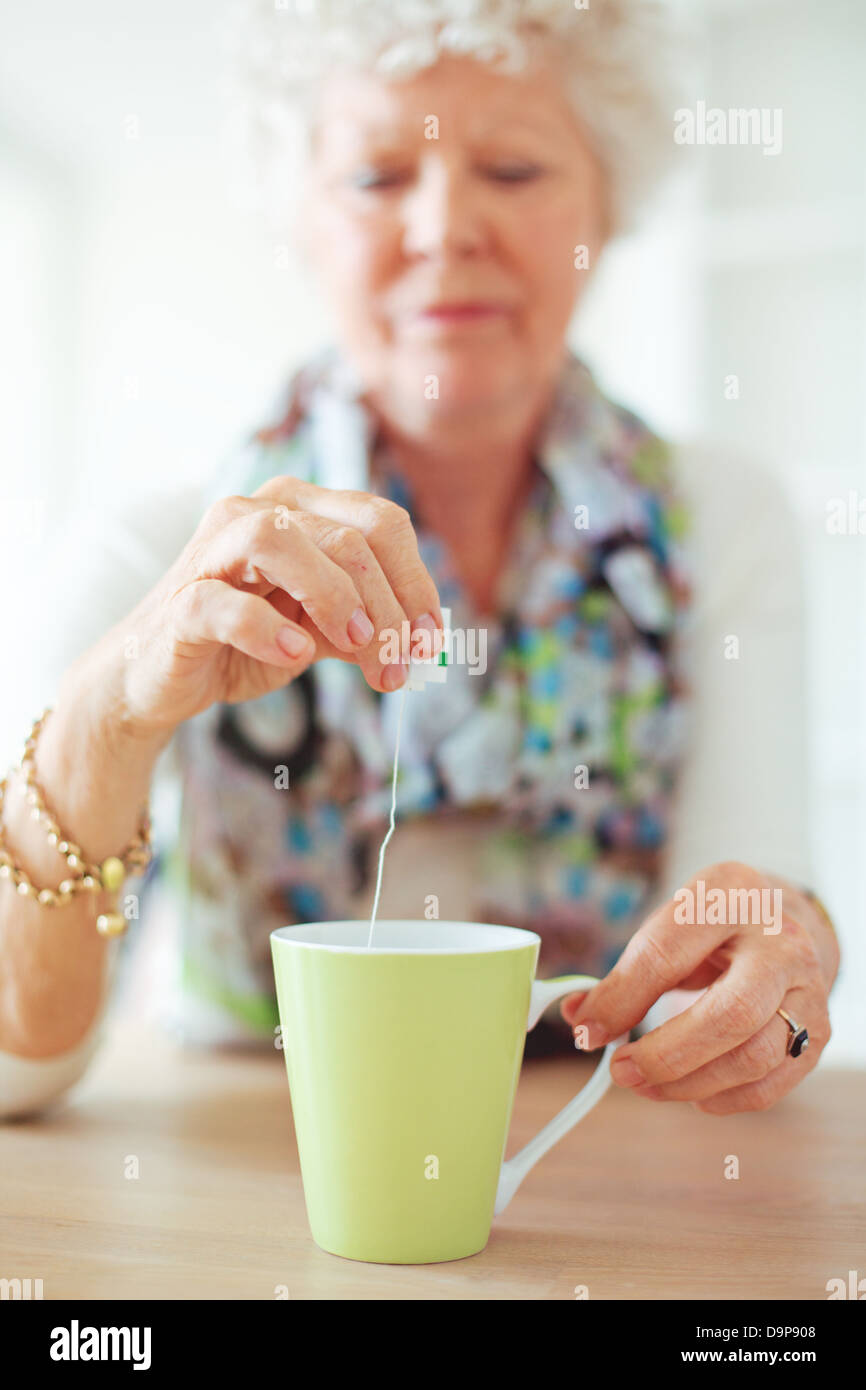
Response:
column 463, row 311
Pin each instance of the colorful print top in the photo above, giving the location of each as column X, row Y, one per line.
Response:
column 566, row 745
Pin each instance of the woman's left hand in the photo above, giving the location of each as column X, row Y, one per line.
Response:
column 727, row 1051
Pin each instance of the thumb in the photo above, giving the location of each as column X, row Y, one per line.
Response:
column 571, row 1004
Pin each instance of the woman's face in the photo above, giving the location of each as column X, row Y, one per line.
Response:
column 443, row 217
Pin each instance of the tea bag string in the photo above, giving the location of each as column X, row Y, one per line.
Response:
column 390, row 830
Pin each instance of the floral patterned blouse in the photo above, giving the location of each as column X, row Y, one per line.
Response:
column 564, row 748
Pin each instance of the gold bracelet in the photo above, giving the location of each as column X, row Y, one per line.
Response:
column 106, row 877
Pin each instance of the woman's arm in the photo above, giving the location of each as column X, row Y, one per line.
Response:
column 265, row 585
column 94, row 770
column 743, row 792
column 742, row 813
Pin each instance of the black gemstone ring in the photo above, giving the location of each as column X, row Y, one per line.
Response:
column 798, row 1038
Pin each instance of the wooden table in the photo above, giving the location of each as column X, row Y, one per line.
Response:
column 633, row 1204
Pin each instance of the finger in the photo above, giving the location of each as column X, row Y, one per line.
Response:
column 209, row 610
column 381, row 677
column 256, row 544
column 661, row 954
column 220, row 513
column 348, row 548
column 389, row 532
column 730, row 1012
column 706, row 973
column 760, row 1095
column 750, row 1061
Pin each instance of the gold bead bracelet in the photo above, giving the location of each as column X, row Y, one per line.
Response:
column 84, row 877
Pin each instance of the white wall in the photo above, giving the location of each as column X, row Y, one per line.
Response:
column 145, row 322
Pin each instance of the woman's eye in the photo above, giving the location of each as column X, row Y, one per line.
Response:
column 373, row 179
column 377, row 178
column 514, row 173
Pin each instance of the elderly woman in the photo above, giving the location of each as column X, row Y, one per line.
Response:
column 466, row 164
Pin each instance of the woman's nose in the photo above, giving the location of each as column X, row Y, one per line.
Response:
column 443, row 213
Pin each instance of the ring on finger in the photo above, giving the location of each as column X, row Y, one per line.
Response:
column 798, row 1036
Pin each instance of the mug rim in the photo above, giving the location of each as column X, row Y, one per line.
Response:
column 517, row 938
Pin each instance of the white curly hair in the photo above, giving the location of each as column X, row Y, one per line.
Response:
column 617, row 56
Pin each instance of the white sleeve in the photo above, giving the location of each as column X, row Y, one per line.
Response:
column 91, row 569
column 741, row 795
column 83, row 579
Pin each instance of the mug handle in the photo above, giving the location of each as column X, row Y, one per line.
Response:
column 514, row 1169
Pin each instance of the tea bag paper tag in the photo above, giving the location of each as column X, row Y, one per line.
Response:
column 433, row 670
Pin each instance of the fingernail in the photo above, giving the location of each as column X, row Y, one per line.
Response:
column 649, row 1092
column 573, row 1005
column 426, row 624
column 359, row 628
column 626, row 1073
column 292, row 642
column 588, row 1036
column 393, row 677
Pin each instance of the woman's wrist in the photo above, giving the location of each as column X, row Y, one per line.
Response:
column 807, row 910
column 824, row 933
column 93, row 763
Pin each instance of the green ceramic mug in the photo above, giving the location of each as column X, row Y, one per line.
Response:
column 403, row 1063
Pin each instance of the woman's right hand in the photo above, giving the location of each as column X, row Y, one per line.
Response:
column 267, row 585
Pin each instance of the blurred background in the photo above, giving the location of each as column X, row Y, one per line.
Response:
column 146, row 320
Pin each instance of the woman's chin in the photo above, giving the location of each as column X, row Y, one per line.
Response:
column 463, row 381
